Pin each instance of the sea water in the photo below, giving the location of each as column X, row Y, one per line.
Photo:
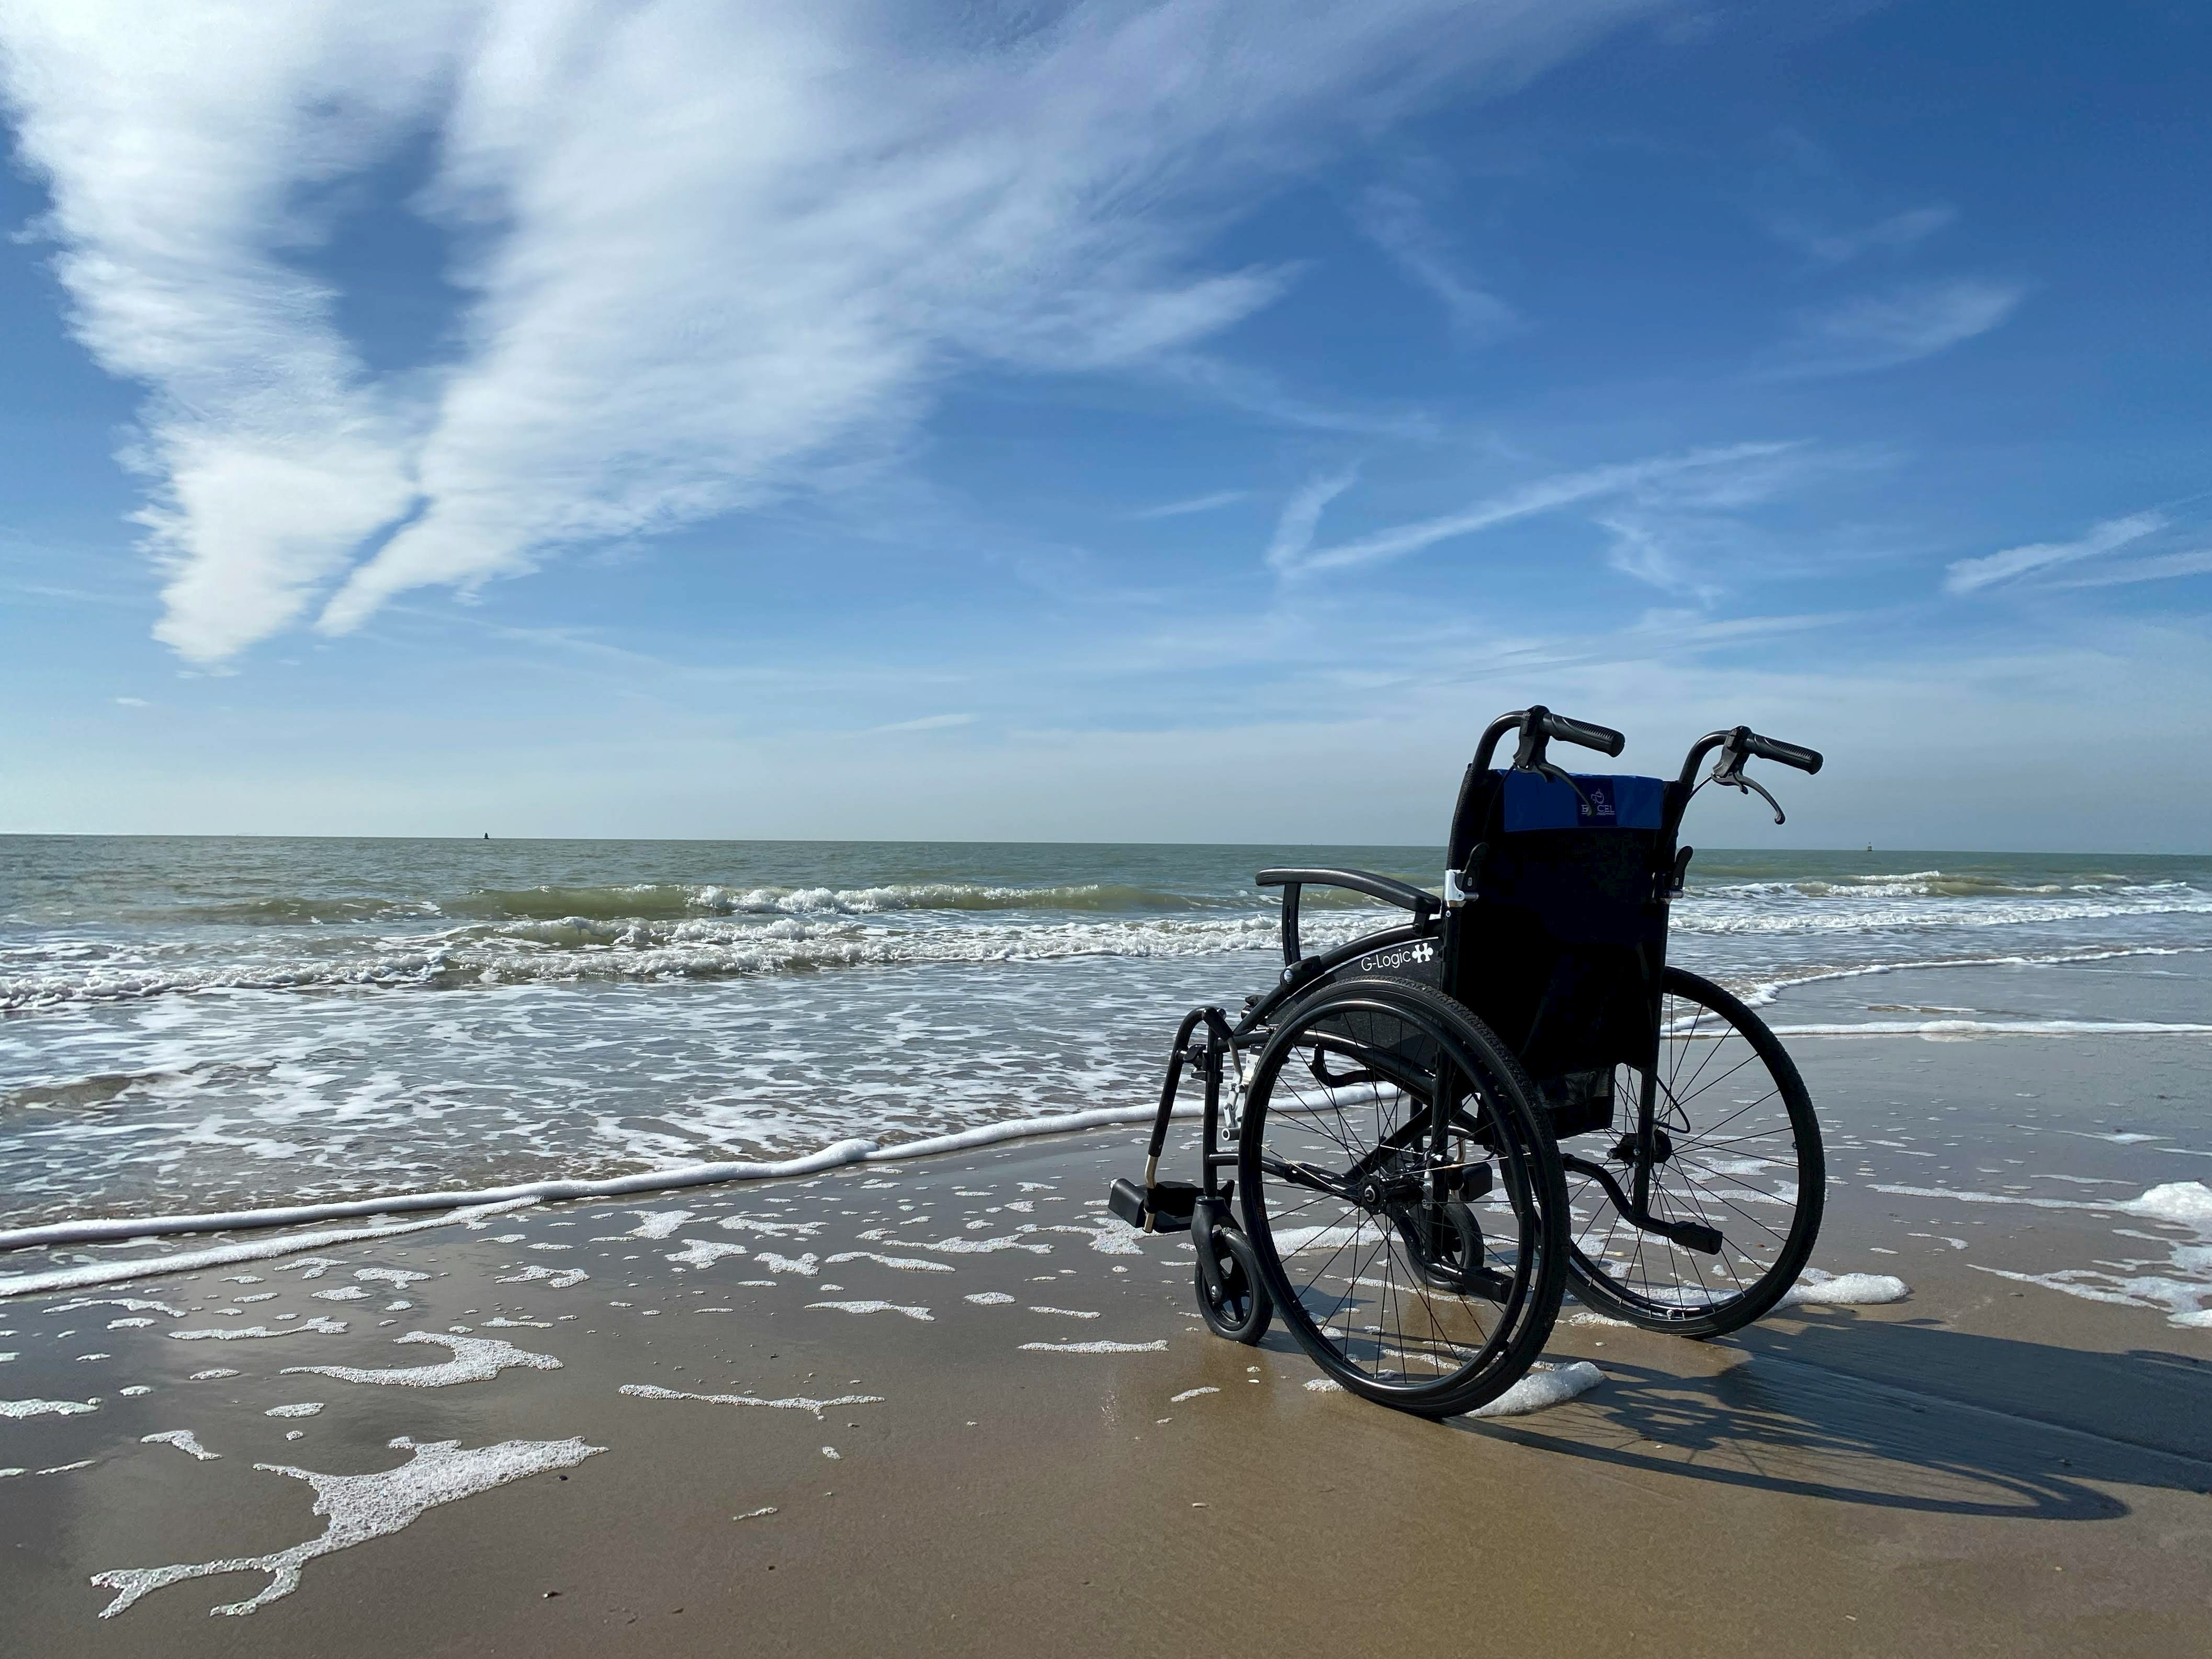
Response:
column 197, row 1024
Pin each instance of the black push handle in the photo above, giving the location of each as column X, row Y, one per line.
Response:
column 1603, row 738
column 1538, row 726
column 1773, row 749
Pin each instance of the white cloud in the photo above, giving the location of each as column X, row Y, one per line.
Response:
column 1301, row 518
column 2165, row 568
column 1724, row 472
column 1394, row 220
column 927, row 723
column 716, row 251
column 1894, row 234
column 178, row 143
column 1902, row 327
column 132, row 702
column 1649, row 552
column 1967, row 575
column 1220, row 498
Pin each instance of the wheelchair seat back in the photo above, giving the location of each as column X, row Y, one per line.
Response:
column 1561, row 943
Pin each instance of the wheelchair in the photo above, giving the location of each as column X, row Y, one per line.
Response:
column 1413, row 1144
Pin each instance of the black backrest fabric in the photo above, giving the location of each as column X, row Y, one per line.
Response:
column 1560, row 949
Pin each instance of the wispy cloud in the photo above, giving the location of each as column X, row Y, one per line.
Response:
column 1901, row 327
column 927, row 723
column 1894, row 234
column 1393, row 219
column 715, row 253
column 2165, row 568
column 1220, row 498
column 1301, row 518
column 1704, row 468
column 1970, row 575
column 1649, row 553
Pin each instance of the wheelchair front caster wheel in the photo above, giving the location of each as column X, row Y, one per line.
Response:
column 1230, row 1299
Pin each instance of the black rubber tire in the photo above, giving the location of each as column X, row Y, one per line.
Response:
column 1475, row 1347
column 1660, row 1286
column 1233, row 1301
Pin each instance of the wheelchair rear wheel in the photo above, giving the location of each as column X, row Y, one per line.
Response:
column 1739, row 1150
column 1406, row 1211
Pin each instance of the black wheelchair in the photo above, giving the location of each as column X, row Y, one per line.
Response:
column 1412, row 1144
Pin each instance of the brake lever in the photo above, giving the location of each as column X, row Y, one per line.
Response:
column 1727, row 770
column 1530, row 758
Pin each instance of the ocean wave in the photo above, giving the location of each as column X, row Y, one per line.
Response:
column 1768, row 908
column 1758, row 990
column 578, row 949
column 670, row 901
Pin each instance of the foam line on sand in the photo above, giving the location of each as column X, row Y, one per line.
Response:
column 224, row 1255
column 835, row 1156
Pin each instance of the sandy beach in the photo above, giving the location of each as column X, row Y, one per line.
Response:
column 949, row 1406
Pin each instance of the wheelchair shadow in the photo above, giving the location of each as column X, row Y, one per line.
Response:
column 1901, row 1414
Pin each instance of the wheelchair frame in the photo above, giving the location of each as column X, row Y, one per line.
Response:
column 1433, row 947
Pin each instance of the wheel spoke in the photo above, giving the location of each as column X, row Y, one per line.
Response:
column 1751, row 1163
column 1383, row 1286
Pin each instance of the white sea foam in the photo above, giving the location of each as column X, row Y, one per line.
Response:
column 1158, row 1346
column 237, row 1334
column 1816, row 1288
column 806, row 1266
column 1191, row 1394
column 1545, row 1386
column 956, row 1246
column 486, row 1202
column 2185, row 1203
column 904, row 1263
column 552, row 1280
column 304, row 1409
column 705, row 1252
column 214, row 1374
column 476, row 1359
column 259, row 1250
column 988, row 1298
column 1066, row 1313
column 183, row 1440
column 793, row 1403
column 1938, row 1029
column 1114, row 1238
column 398, row 1277
column 869, row 1307
column 359, row 1508
column 768, row 1229
column 46, row 1407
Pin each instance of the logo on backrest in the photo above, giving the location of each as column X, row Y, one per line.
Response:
column 1598, row 808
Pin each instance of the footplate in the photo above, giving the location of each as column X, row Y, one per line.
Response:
column 1164, row 1208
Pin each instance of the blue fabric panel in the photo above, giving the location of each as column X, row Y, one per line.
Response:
column 1536, row 802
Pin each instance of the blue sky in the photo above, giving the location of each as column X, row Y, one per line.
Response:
column 1182, row 421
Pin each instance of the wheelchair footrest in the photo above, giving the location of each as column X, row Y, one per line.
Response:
column 1167, row 1206
column 1690, row 1235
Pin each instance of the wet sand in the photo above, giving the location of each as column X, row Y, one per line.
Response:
column 1989, row 1467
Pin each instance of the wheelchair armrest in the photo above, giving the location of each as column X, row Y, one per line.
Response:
column 1390, row 891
